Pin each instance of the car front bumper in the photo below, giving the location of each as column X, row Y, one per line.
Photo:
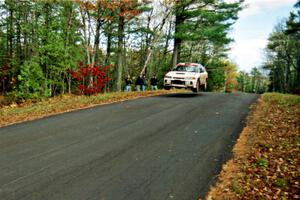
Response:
column 183, row 83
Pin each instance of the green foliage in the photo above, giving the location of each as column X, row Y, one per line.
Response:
column 52, row 36
column 161, row 74
column 31, row 82
column 205, row 21
column 283, row 55
column 281, row 183
column 263, row 163
column 201, row 35
column 216, row 81
column 216, row 76
column 237, row 187
column 255, row 82
column 286, row 100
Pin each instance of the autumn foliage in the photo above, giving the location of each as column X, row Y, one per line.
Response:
column 91, row 79
column 124, row 8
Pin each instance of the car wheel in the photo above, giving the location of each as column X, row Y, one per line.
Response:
column 167, row 88
column 204, row 86
column 195, row 90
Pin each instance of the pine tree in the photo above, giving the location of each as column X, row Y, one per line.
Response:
column 198, row 21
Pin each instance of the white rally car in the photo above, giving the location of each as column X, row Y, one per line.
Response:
column 187, row 75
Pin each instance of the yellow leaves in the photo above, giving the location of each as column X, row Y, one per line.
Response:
column 231, row 74
column 13, row 105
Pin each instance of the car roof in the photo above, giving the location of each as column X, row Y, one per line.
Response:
column 189, row 64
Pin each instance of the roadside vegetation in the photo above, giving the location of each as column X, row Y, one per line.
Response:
column 45, row 44
column 14, row 113
column 266, row 161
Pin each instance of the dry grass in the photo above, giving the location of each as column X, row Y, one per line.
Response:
column 266, row 161
column 29, row 111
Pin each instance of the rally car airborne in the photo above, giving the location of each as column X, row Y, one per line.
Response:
column 187, row 75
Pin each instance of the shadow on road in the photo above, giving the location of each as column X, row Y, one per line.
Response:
column 181, row 95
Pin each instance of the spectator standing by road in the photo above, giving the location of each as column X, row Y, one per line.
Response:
column 143, row 82
column 153, row 82
column 128, row 83
column 138, row 83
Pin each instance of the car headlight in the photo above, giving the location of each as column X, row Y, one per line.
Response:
column 168, row 76
column 190, row 78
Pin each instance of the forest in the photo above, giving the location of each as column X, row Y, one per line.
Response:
column 50, row 47
column 54, row 47
column 283, row 54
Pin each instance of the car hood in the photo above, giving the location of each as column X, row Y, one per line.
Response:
column 180, row 74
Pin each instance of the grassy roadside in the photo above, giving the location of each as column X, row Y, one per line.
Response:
column 266, row 161
column 29, row 111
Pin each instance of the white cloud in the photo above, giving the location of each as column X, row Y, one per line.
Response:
column 251, row 35
column 248, row 53
column 257, row 6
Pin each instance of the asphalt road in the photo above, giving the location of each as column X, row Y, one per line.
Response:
column 156, row 148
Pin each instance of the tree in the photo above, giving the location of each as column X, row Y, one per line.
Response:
column 198, row 21
column 293, row 30
column 255, row 82
column 128, row 9
column 282, row 55
column 231, row 73
column 48, row 39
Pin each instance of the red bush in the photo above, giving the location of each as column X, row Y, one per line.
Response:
column 92, row 79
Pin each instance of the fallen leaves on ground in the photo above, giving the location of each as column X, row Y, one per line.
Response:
column 266, row 161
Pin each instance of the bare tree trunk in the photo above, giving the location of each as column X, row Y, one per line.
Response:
column 18, row 33
column 87, row 38
column 85, row 35
column 26, row 49
column 176, row 51
column 147, row 61
column 167, row 42
column 69, row 83
column 108, row 46
column 177, row 40
column 97, row 37
column 120, row 55
column 45, row 42
column 147, row 40
column 10, row 35
column 108, row 54
column 155, row 39
column 68, row 41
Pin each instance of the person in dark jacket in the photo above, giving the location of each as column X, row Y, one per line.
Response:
column 138, row 83
column 153, row 82
column 128, row 83
column 143, row 82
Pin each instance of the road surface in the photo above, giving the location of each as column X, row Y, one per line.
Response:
column 156, row 148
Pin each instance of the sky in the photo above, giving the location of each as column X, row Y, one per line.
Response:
column 253, row 28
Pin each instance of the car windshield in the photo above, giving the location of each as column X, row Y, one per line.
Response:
column 185, row 68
